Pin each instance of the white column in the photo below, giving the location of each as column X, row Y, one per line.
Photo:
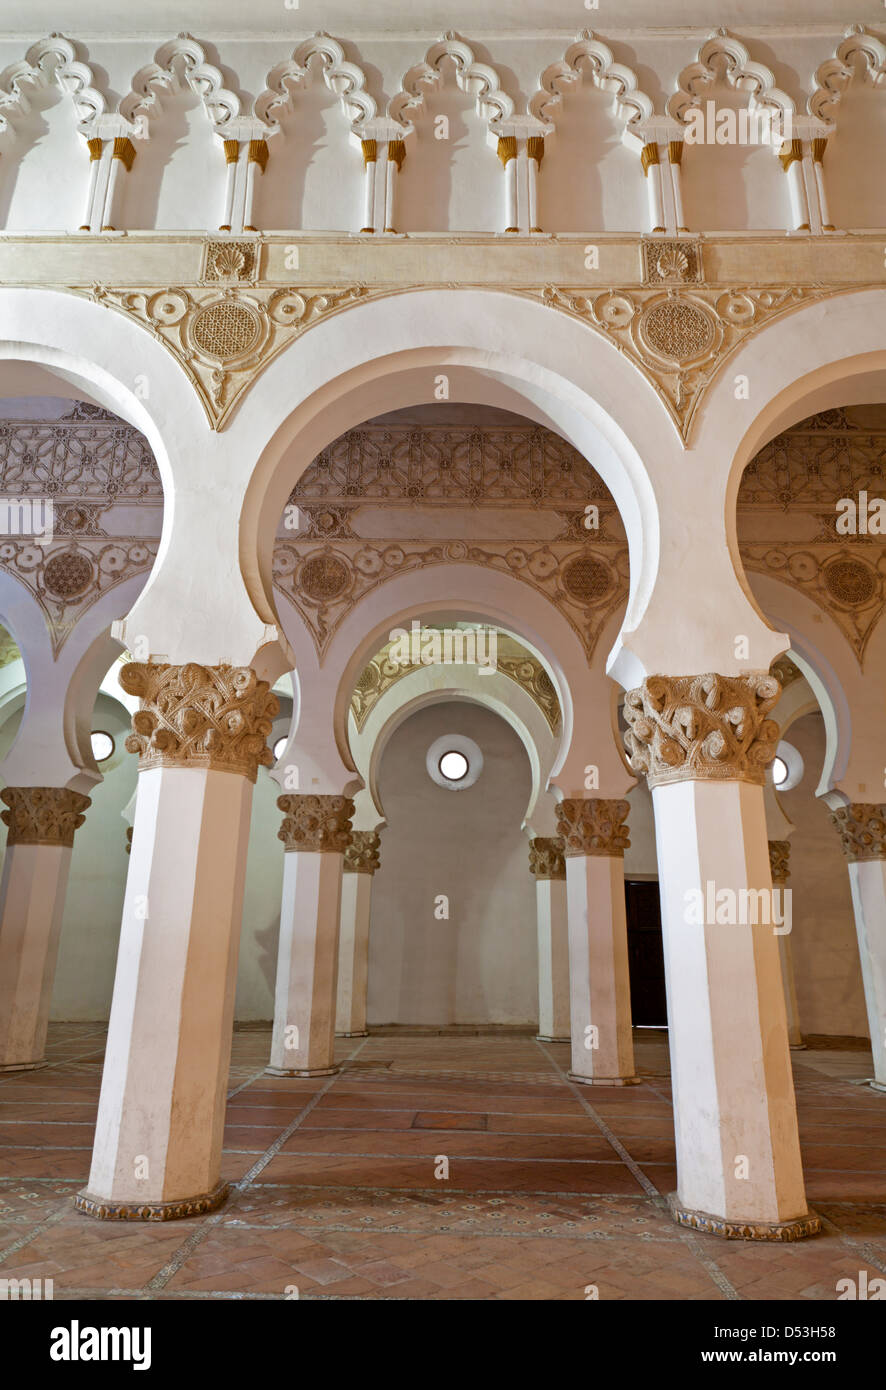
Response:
column 675, row 155
column 704, row 743
column 316, row 831
column 819, row 146
column 791, row 157
column 652, row 172
column 360, row 863
column 201, row 734
column 595, row 839
column 396, row 156
column 862, row 828
column 535, row 149
column 370, row 165
column 122, row 156
column 41, row 822
column 232, row 157
column 507, row 153
column 256, row 162
column 779, row 859
column 96, row 146
column 546, row 862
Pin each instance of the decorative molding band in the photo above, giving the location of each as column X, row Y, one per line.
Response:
column 362, row 854
column 593, row 826
column 42, row 815
column 861, row 827
column 779, row 860
column 546, row 857
column 316, row 824
column 797, row 1229
column 212, row 717
column 103, row 1209
column 702, row 728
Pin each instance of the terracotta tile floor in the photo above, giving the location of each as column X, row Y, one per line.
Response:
column 551, row 1187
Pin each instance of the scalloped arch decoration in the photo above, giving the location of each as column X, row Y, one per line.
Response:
column 478, row 79
column 346, row 79
column 143, row 100
column 51, row 59
column 590, row 51
column 835, row 74
column 741, row 71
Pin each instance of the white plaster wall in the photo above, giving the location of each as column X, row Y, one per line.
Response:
column 47, row 153
column 314, row 177
column 827, row 969
column 480, row 966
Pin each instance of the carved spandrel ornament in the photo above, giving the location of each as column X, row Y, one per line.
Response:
column 780, row 860
column 212, row 717
column 702, row 728
column 362, row 854
column 42, row 815
column 862, row 830
column 546, row 858
column 315, row 824
column 593, row 826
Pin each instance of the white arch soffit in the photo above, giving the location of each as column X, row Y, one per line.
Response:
column 51, row 60
column 590, row 56
column 827, row 663
column 836, row 73
column 801, row 363
column 346, row 79
column 143, row 101
column 513, row 705
column 795, row 701
column 740, row 70
column 384, row 355
column 477, row 79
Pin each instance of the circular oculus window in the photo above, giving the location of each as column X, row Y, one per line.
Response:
column 454, row 762
column 102, row 745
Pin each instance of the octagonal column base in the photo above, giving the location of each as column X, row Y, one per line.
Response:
column 797, row 1229
column 104, row 1210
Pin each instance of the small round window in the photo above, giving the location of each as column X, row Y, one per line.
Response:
column 102, row 746
column 454, row 766
column 279, row 746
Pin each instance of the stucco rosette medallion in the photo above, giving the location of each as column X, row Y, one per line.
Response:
column 593, row 826
column 316, row 824
column 702, row 728
column 362, row 854
column 213, row 717
column 42, row 815
column 546, row 860
column 862, row 830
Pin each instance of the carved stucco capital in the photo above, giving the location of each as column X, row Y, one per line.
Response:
column 319, row 824
column 702, row 728
column 862, row 830
column 546, row 857
column 42, row 815
column 593, row 826
column 780, row 860
column 362, row 854
column 215, row 717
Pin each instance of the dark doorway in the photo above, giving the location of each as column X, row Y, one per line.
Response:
column 645, row 955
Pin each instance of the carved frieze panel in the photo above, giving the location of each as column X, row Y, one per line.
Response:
column 849, row 585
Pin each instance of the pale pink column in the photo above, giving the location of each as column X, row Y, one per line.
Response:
column 862, row 829
column 548, row 866
column 41, row 823
column 595, row 838
column 704, row 743
column 316, row 831
column 360, row 863
column 201, row 735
